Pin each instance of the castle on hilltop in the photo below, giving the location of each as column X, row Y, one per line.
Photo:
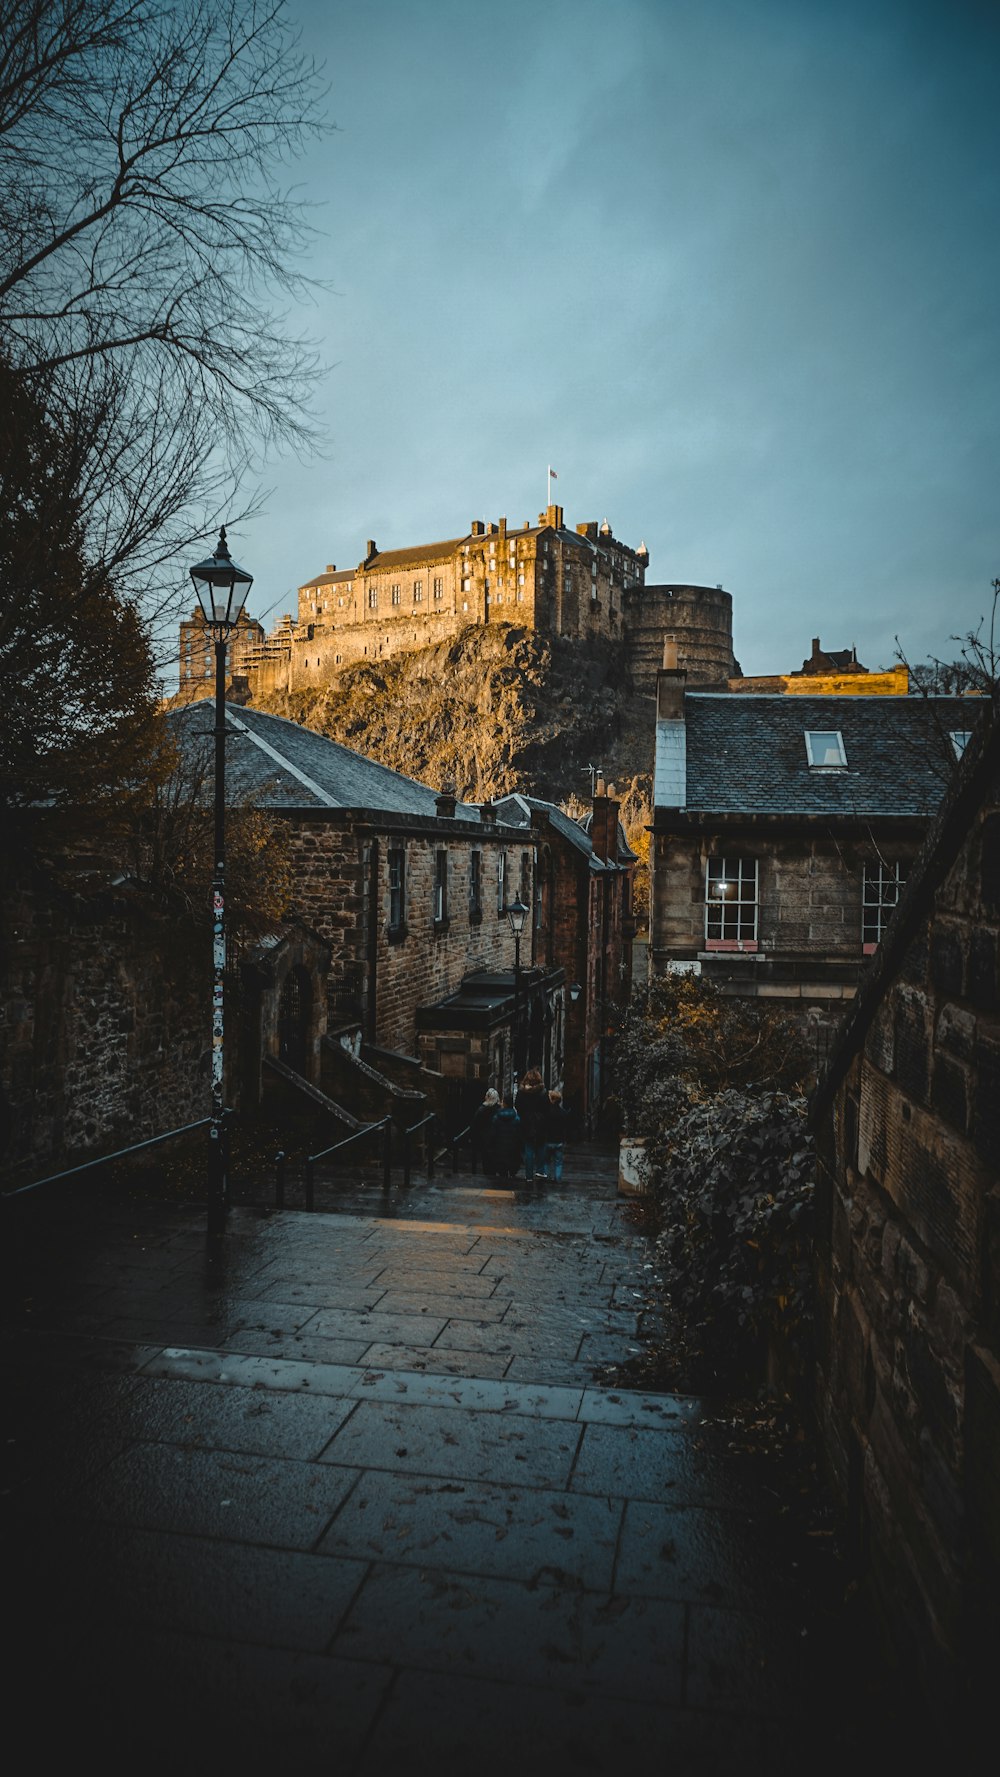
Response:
column 583, row 583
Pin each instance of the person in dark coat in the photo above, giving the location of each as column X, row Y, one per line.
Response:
column 480, row 1131
column 505, row 1140
column 532, row 1104
column 555, row 1124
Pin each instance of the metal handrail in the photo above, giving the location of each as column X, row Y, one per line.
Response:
column 453, row 1144
column 385, row 1124
column 152, row 1141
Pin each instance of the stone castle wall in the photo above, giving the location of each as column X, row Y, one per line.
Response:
column 697, row 618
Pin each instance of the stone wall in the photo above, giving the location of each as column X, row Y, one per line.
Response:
column 104, row 1030
column 908, row 1254
column 809, row 892
column 341, row 872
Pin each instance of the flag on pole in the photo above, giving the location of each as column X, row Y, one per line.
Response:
column 553, row 475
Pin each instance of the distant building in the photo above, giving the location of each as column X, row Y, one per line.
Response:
column 582, row 582
column 584, row 924
column 828, row 672
column 197, row 650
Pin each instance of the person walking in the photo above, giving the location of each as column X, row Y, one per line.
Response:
column 504, row 1152
column 555, row 1123
column 479, row 1131
column 532, row 1103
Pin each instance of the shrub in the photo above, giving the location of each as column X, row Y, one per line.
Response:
column 715, row 1085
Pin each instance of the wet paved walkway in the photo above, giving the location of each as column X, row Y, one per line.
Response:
column 341, row 1489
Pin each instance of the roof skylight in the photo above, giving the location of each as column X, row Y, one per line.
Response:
column 825, row 749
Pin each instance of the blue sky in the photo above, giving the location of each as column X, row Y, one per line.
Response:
column 729, row 266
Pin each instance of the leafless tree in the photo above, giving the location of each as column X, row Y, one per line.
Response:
column 147, row 242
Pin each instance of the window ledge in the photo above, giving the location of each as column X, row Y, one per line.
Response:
column 731, row 944
column 395, row 934
column 441, row 925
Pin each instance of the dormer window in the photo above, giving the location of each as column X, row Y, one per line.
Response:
column 960, row 738
column 825, row 749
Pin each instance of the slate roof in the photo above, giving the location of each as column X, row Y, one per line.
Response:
column 747, row 754
column 509, row 808
column 278, row 764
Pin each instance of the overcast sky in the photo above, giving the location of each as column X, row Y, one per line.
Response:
column 729, row 266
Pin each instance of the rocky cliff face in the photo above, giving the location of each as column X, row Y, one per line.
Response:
column 490, row 711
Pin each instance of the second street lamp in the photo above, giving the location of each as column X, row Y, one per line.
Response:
column 517, row 913
column 222, row 588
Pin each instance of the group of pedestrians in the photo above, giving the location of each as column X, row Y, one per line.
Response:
column 527, row 1128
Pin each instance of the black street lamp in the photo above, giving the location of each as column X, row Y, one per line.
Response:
column 517, row 913
column 222, row 588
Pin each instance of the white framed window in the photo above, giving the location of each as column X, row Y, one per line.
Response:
column 397, row 889
column 439, row 588
column 466, row 585
column 881, row 888
column 960, row 738
column 373, row 598
column 395, row 594
column 825, row 749
column 501, row 882
column 731, row 903
column 520, row 579
column 418, row 591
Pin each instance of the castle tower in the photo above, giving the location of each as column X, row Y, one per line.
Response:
column 698, row 620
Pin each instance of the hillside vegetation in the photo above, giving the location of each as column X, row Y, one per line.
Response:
column 490, row 711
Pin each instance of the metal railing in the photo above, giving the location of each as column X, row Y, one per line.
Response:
column 152, row 1141
column 452, row 1145
column 385, row 1125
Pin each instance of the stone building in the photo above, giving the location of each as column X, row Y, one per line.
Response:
column 784, row 828
column 583, row 925
column 197, row 649
column 407, row 887
column 907, row 1121
column 581, row 582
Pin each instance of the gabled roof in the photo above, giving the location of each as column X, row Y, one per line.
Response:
column 747, row 754
column 517, row 810
column 274, row 763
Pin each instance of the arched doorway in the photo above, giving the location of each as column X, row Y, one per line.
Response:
column 294, row 1016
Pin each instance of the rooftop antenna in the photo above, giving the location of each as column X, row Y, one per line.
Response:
column 595, row 771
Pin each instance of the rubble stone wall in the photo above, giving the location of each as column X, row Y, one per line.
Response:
column 104, row 1032
column 909, row 1282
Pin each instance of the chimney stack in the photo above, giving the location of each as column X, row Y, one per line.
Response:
column 604, row 824
column 445, row 801
column 670, row 682
column 487, row 813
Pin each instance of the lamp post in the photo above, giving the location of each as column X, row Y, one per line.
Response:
column 222, row 588
column 517, row 913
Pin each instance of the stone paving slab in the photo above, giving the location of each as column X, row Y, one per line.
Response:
column 555, row 1635
column 480, row 1528
column 281, row 1522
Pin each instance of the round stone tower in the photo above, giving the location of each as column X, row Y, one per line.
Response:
column 697, row 619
